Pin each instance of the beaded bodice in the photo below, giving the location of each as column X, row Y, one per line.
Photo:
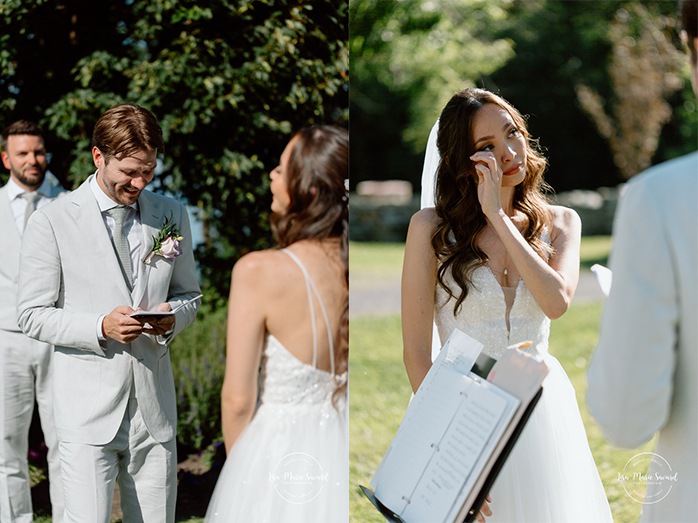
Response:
column 285, row 380
column 483, row 315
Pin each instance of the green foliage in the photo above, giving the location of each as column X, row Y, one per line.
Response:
column 561, row 44
column 198, row 365
column 643, row 54
column 408, row 56
column 229, row 82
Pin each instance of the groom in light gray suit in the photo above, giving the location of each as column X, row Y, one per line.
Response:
column 643, row 376
column 25, row 364
column 87, row 262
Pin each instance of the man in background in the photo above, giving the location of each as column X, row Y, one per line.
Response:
column 643, row 377
column 25, row 364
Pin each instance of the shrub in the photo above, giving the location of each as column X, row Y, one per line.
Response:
column 198, row 364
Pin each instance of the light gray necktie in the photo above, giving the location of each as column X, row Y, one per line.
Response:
column 123, row 251
column 32, row 198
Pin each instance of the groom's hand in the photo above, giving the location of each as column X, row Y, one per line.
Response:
column 160, row 326
column 119, row 326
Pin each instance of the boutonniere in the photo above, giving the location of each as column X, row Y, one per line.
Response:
column 166, row 243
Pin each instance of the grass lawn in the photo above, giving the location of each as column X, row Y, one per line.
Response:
column 380, row 392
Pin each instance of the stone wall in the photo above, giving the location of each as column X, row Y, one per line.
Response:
column 595, row 208
column 376, row 219
column 385, row 217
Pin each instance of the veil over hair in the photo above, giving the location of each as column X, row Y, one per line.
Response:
column 431, row 165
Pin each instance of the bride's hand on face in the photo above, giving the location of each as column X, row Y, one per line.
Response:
column 489, row 183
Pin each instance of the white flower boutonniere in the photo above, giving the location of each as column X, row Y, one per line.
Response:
column 166, row 243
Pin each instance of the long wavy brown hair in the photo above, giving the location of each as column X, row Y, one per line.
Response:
column 317, row 184
column 460, row 216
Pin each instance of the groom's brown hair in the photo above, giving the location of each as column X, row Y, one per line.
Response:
column 126, row 129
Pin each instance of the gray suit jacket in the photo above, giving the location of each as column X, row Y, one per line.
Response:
column 9, row 258
column 643, row 376
column 69, row 277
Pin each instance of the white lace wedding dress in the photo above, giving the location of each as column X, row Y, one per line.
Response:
column 550, row 476
column 290, row 464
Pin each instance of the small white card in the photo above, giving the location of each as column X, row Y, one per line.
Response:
column 156, row 315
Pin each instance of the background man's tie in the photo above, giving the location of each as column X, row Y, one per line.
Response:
column 32, row 198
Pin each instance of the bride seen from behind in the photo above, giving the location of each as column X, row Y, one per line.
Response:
column 284, row 393
column 494, row 259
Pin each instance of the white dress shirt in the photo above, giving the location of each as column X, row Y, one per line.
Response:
column 133, row 228
column 132, row 225
column 18, row 204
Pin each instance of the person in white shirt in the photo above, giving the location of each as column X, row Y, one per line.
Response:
column 25, row 364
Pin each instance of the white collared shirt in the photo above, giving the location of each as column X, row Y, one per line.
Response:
column 19, row 204
column 132, row 224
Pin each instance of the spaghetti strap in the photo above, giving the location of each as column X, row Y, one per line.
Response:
column 312, row 289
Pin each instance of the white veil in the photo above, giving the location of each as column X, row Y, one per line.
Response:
column 431, row 164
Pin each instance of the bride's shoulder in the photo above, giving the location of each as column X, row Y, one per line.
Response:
column 424, row 220
column 565, row 220
column 259, row 265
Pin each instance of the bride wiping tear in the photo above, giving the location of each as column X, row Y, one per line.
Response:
column 494, row 259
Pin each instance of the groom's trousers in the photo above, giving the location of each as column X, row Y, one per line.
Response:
column 25, row 371
column 145, row 469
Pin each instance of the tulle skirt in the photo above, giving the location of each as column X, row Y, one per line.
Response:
column 550, row 476
column 290, row 465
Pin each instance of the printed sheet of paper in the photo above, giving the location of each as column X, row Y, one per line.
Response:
column 520, row 375
column 475, row 427
column 447, row 432
column 459, row 352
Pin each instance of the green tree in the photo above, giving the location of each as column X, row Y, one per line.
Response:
column 561, row 44
column 644, row 69
column 229, row 80
column 407, row 58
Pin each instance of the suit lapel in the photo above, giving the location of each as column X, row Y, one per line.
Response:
column 90, row 224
